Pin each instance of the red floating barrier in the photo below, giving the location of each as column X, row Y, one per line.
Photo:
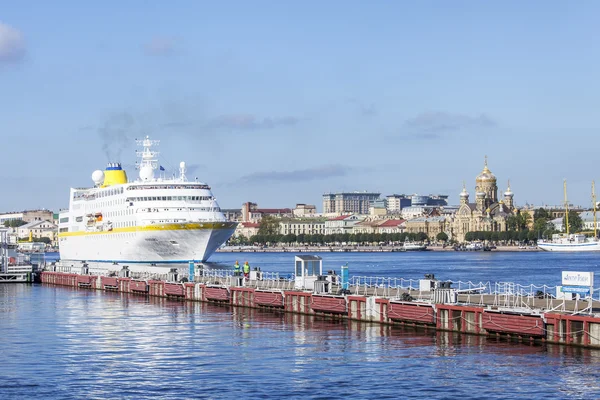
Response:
column 109, row 283
column 174, row 289
column 329, row 304
column 268, row 299
column 522, row 325
column 138, row 286
column 411, row 312
column 216, row 293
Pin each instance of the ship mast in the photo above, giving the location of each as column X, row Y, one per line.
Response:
column 594, row 201
column 566, row 207
column 147, row 155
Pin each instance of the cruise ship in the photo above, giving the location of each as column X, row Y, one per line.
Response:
column 151, row 220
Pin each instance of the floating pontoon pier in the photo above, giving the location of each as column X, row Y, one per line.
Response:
column 564, row 314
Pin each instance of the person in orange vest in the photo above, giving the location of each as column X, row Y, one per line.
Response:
column 246, row 270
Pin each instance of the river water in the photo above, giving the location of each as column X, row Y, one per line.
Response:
column 61, row 343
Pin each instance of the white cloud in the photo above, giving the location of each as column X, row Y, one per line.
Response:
column 12, row 44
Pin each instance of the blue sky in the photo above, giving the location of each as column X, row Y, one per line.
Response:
column 279, row 102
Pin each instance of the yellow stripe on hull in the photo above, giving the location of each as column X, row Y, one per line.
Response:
column 157, row 227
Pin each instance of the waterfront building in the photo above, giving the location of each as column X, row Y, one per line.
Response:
column 396, row 202
column 366, row 226
column 27, row 216
column 416, row 211
column 247, row 229
column 558, row 224
column 304, row 210
column 348, row 202
column 38, row 230
column 448, row 211
column 251, row 212
column 341, row 224
column 378, row 209
column 392, row 226
column 556, row 211
column 587, row 218
column 437, row 200
column 431, row 225
column 307, row 226
column 379, row 226
column 488, row 213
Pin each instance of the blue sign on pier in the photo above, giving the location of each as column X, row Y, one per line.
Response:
column 576, row 289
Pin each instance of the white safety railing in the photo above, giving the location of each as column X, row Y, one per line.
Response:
column 497, row 294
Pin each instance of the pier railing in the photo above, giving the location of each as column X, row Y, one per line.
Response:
column 490, row 294
column 265, row 280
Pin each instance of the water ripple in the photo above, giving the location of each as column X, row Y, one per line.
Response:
column 60, row 343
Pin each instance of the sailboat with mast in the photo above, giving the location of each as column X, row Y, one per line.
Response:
column 570, row 242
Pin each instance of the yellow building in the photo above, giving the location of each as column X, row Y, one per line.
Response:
column 487, row 213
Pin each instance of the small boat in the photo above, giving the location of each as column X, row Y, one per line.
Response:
column 475, row 246
column 413, row 246
column 572, row 242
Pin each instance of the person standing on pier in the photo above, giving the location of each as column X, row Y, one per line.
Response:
column 246, row 270
column 236, row 268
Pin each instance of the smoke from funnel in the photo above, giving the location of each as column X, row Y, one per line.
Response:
column 117, row 132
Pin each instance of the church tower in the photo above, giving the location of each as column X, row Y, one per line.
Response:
column 464, row 195
column 508, row 197
column 486, row 183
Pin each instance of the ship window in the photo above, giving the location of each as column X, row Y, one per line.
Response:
column 153, row 198
column 164, row 198
column 64, row 219
column 79, row 219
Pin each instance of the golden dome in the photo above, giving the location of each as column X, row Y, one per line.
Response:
column 486, row 175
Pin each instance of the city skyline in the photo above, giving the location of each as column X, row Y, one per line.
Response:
column 279, row 103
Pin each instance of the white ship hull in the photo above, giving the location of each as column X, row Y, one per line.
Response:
column 569, row 247
column 155, row 246
column 414, row 247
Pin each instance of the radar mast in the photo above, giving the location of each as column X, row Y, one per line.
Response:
column 148, row 156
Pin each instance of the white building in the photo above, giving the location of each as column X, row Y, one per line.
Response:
column 304, row 210
column 302, row 227
column 38, row 229
column 587, row 218
column 558, row 224
column 396, row 202
column 416, row 211
column 341, row 224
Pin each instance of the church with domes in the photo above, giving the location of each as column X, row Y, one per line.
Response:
column 487, row 213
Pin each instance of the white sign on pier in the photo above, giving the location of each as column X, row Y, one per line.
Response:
column 572, row 278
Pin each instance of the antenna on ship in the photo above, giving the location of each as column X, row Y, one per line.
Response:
column 182, row 170
column 149, row 158
column 566, row 207
column 594, row 201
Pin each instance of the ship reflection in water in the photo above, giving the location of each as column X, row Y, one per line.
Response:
column 94, row 344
